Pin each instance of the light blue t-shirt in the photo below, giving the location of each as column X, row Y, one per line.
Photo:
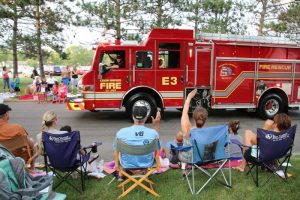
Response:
column 137, row 135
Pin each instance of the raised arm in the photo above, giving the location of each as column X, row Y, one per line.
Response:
column 156, row 121
column 185, row 120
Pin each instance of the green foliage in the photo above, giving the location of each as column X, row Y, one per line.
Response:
column 160, row 13
column 288, row 22
column 107, row 15
column 78, row 55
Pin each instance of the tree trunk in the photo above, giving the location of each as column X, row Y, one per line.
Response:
column 262, row 17
column 14, row 40
column 118, row 19
column 197, row 7
column 39, row 41
column 159, row 14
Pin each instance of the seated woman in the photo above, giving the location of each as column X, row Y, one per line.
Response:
column 281, row 122
column 200, row 115
column 235, row 150
column 49, row 124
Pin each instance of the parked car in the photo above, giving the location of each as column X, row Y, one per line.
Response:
column 56, row 71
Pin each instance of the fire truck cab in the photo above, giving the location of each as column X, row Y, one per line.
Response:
column 230, row 72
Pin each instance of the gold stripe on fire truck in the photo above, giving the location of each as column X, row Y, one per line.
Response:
column 118, row 95
column 250, row 75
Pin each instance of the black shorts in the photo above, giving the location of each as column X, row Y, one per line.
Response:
column 248, row 157
column 17, row 89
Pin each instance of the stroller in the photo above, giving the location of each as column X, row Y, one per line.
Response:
column 16, row 183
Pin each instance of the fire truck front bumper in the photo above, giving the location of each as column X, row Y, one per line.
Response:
column 75, row 103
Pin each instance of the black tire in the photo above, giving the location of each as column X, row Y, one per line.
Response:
column 271, row 105
column 142, row 98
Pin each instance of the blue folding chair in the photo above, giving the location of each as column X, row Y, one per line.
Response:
column 63, row 152
column 274, row 149
column 208, row 146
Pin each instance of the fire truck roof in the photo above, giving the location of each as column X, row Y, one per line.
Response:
column 159, row 33
column 245, row 38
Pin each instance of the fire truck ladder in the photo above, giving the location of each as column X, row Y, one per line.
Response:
column 245, row 38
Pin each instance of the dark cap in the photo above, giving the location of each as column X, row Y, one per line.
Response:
column 139, row 112
column 4, row 108
column 119, row 56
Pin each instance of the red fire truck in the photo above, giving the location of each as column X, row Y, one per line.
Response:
column 230, row 72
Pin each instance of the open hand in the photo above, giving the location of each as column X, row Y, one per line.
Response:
column 192, row 93
column 156, row 120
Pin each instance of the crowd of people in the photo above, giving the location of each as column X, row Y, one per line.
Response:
column 138, row 134
column 42, row 87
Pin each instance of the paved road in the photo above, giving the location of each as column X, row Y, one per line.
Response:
column 102, row 126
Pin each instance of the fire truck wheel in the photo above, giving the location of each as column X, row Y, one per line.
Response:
column 270, row 105
column 142, row 99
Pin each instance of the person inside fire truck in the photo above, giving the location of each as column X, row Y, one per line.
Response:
column 281, row 122
column 200, row 115
column 118, row 62
column 161, row 63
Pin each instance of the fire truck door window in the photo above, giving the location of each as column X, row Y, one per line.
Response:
column 113, row 59
column 169, row 55
column 144, row 59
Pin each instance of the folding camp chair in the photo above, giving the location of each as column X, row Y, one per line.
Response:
column 138, row 174
column 19, row 146
column 63, row 152
column 209, row 147
column 274, row 149
column 16, row 183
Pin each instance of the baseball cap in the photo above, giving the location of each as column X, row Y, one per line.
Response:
column 119, row 56
column 4, row 108
column 139, row 112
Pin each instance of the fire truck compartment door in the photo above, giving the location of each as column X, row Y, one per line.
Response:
column 234, row 82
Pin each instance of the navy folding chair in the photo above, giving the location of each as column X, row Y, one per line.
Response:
column 274, row 149
column 63, row 153
column 208, row 146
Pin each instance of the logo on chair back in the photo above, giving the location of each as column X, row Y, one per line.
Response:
column 60, row 139
column 277, row 137
column 140, row 133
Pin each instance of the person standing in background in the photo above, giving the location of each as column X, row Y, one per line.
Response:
column 74, row 80
column 34, row 73
column 17, row 84
column 5, row 77
column 50, row 82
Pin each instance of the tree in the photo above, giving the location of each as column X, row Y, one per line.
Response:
column 266, row 12
column 48, row 18
column 288, row 22
column 11, row 11
column 78, row 55
column 216, row 16
column 109, row 15
column 158, row 14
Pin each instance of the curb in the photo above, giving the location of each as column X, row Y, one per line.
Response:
column 17, row 100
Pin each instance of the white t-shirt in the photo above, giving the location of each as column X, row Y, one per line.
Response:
column 51, row 80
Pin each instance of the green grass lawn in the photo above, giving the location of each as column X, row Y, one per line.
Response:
column 171, row 185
